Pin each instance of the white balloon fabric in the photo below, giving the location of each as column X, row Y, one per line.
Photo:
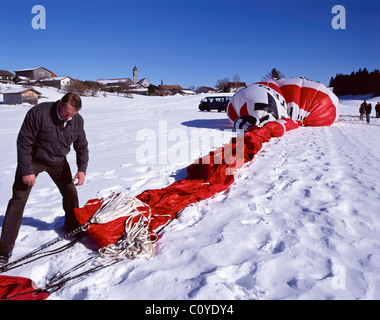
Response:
column 259, row 101
column 244, row 122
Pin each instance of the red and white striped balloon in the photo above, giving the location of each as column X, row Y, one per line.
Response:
column 297, row 98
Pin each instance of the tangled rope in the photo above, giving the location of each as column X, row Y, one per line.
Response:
column 136, row 241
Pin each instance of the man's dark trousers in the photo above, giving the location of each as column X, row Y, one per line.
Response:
column 61, row 175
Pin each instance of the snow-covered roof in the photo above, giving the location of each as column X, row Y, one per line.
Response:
column 55, row 78
column 18, row 90
column 105, row 81
column 30, row 69
column 187, row 91
column 6, row 73
column 27, row 69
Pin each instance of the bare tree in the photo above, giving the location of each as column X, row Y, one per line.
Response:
column 274, row 74
column 93, row 86
column 222, row 84
column 236, row 78
column 76, row 86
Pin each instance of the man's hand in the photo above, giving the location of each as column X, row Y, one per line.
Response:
column 80, row 176
column 29, row 180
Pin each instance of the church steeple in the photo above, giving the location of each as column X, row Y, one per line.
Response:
column 135, row 75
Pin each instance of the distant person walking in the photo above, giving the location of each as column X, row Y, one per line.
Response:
column 362, row 110
column 44, row 140
column 377, row 109
column 368, row 110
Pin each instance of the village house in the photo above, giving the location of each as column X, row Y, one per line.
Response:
column 204, row 89
column 20, row 95
column 22, row 80
column 56, row 82
column 168, row 89
column 6, row 77
column 141, row 87
column 35, row 73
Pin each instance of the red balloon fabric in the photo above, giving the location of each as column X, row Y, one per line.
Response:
column 18, row 288
column 206, row 177
column 105, row 233
column 309, row 101
column 265, row 110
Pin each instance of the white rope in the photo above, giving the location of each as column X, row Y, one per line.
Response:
column 116, row 206
column 136, row 241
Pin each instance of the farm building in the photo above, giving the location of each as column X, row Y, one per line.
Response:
column 168, row 89
column 21, row 95
column 35, row 73
column 204, row 89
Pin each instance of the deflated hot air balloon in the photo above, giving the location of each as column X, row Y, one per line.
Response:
column 296, row 98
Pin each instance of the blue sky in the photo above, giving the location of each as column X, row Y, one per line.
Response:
column 193, row 42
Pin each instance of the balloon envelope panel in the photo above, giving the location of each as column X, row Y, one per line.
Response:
column 309, row 101
column 257, row 100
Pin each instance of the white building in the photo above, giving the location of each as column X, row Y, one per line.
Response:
column 6, row 77
column 56, row 82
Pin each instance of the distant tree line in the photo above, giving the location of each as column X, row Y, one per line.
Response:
column 360, row 82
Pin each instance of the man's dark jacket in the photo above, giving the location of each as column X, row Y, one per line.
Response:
column 43, row 138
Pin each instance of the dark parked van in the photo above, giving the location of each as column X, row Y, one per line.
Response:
column 214, row 103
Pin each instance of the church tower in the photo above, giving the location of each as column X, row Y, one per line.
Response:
column 135, row 75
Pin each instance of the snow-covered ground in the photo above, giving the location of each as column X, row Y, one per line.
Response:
column 301, row 221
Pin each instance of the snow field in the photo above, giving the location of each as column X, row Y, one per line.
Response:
column 301, row 220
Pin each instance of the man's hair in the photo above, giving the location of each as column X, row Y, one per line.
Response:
column 72, row 99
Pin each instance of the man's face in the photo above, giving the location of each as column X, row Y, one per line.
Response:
column 66, row 111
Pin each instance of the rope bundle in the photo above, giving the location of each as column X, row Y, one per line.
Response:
column 136, row 241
